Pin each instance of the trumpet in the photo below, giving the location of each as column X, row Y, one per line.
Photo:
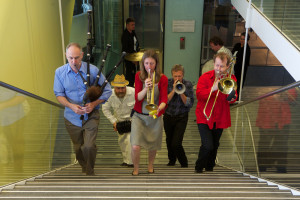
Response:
column 226, row 86
column 179, row 88
column 151, row 106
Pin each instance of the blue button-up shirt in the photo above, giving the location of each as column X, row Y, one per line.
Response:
column 69, row 84
column 176, row 105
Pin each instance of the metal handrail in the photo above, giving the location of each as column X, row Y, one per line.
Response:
column 30, row 94
column 282, row 89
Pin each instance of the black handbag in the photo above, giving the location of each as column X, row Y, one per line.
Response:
column 124, row 127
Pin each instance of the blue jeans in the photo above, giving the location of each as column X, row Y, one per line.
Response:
column 208, row 150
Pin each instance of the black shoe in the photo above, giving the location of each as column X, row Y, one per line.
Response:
column 262, row 169
column 184, row 166
column 171, row 164
column 124, row 164
column 90, row 173
column 199, row 171
column 129, row 165
column 209, row 169
column 281, row 170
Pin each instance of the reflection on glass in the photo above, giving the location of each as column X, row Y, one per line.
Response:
column 148, row 22
column 273, row 120
column 31, row 137
column 13, row 111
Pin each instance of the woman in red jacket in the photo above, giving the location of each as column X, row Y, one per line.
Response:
column 211, row 124
column 146, row 130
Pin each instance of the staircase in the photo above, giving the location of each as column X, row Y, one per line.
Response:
column 115, row 182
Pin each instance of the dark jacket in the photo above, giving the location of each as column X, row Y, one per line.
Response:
column 128, row 42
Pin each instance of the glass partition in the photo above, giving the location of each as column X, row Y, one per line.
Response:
column 284, row 14
column 264, row 137
column 108, row 30
column 30, row 132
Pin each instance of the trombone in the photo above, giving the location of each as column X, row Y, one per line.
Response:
column 151, row 106
column 226, row 86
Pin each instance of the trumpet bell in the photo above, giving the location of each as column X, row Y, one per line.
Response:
column 151, row 107
column 179, row 88
column 226, row 85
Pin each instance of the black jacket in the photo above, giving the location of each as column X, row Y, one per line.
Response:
column 128, row 42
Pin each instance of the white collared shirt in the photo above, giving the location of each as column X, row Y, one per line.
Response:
column 116, row 110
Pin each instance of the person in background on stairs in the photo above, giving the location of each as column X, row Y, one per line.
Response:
column 147, row 127
column 239, row 47
column 81, row 120
column 212, row 111
column 180, row 101
column 273, row 120
column 217, row 45
column 117, row 110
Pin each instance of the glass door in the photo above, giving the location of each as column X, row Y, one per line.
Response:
column 149, row 22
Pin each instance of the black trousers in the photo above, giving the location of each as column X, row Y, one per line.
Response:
column 175, row 127
column 273, row 147
column 130, row 70
column 210, row 139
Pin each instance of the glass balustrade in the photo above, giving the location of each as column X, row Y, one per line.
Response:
column 264, row 137
column 284, row 14
column 32, row 137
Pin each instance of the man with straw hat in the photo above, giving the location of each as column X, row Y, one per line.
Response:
column 117, row 110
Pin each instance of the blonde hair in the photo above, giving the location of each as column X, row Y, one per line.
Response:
column 222, row 56
column 176, row 68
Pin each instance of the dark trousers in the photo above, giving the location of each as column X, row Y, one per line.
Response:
column 210, row 141
column 175, row 127
column 84, row 140
column 273, row 147
column 130, row 70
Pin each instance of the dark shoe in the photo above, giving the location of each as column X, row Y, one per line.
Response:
column 129, row 165
column 281, row 170
column 184, row 166
column 91, row 174
column 134, row 174
column 171, row 164
column 209, row 169
column 262, row 169
column 124, row 164
column 199, row 171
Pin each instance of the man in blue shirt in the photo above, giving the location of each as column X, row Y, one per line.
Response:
column 69, row 90
column 180, row 100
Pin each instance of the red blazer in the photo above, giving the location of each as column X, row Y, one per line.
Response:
column 221, row 111
column 163, row 92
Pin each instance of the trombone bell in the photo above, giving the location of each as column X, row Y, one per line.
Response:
column 226, row 85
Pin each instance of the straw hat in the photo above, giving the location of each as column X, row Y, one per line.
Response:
column 119, row 81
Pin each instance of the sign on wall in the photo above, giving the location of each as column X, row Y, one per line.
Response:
column 183, row 26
